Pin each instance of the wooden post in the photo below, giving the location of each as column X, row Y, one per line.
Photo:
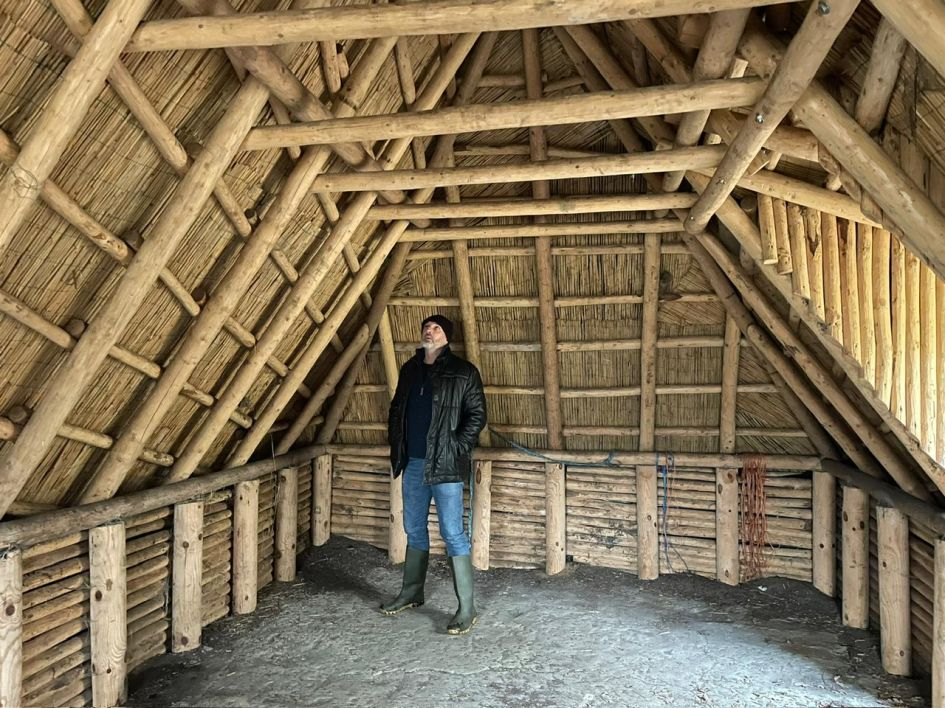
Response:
column 824, row 533
column 287, row 524
column 856, row 558
column 482, row 514
column 899, row 319
column 940, row 373
column 555, row 519
column 186, row 610
column 107, row 614
column 833, row 311
column 321, row 501
column 782, row 237
column 245, row 546
column 850, row 312
column 863, row 255
column 647, row 496
column 938, row 628
column 882, row 315
column 815, row 262
column 928, row 388
column 912, row 361
column 726, row 489
column 892, row 541
column 768, row 229
column 888, row 49
column 11, row 627
column 797, row 237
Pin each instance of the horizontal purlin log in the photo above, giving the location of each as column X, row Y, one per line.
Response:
column 455, row 233
column 608, row 392
column 421, row 18
column 532, row 207
column 693, row 158
column 577, row 301
column 583, row 108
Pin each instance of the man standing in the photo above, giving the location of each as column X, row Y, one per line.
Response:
column 435, row 419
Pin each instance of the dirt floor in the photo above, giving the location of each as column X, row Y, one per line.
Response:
column 587, row 637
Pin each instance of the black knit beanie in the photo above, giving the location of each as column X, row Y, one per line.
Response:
column 444, row 323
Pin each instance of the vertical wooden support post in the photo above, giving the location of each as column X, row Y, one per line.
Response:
column 766, row 227
column 913, row 362
column 726, row 480
column 940, row 373
column 287, row 524
column 928, row 389
column 797, row 236
column 892, row 540
column 187, row 593
column 850, row 314
column 782, row 236
column 856, row 558
column 396, row 536
column 11, row 627
column 833, row 309
column 647, row 496
column 107, row 614
column 245, row 546
column 882, row 319
column 482, row 514
column 815, row 261
column 864, row 275
column 898, row 306
column 321, row 501
column 555, row 519
column 938, row 627
column 824, row 533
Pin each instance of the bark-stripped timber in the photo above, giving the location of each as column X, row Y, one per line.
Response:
column 797, row 233
column 268, row 67
column 824, row 533
column 767, row 228
column 863, row 257
column 107, row 613
column 782, row 237
column 892, row 544
column 715, row 56
column 850, row 291
column 562, row 302
column 482, row 514
column 815, row 261
column 647, row 531
column 62, row 522
column 929, row 307
column 922, row 23
column 186, row 607
column 940, row 372
column 225, row 298
column 538, row 144
column 855, row 557
column 607, row 105
column 726, row 494
column 321, row 500
column 822, row 380
column 888, row 49
column 426, row 18
column 906, row 205
column 245, row 546
column 75, row 91
column 833, row 313
column 640, row 226
column 556, row 540
column 11, row 627
column 576, row 168
column 309, row 280
column 899, row 316
column 286, row 534
column 804, row 55
column 548, row 206
column 882, row 315
column 73, row 376
column 938, row 626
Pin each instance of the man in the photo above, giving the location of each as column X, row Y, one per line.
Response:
column 435, row 419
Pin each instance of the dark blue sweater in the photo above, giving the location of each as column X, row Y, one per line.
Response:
column 419, row 413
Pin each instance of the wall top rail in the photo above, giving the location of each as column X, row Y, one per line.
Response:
column 61, row 522
column 616, row 458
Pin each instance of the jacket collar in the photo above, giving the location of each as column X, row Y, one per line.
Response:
column 444, row 354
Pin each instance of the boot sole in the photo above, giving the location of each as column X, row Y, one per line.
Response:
column 391, row 613
column 456, row 632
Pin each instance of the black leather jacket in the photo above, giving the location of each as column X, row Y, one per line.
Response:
column 459, row 414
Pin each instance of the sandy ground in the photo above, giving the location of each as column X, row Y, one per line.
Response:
column 587, row 637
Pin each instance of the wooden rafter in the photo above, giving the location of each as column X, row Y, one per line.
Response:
column 426, row 18
column 81, row 82
column 922, row 22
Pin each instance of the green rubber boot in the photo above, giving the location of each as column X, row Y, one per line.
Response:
column 411, row 593
column 465, row 616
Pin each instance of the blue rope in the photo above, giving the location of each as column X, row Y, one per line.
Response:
column 606, row 462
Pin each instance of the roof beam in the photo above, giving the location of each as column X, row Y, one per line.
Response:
column 888, row 49
column 921, row 223
column 794, row 73
column 693, row 158
column 418, row 18
column 583, row 108
column 922, row 22
column 640, row 226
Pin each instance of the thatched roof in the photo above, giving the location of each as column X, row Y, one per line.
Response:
column 102, row 289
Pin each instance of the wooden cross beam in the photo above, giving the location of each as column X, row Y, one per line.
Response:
column 420, row 18
column 636, row 163
column 607, row 105
column 641, row 226
column 922, row 22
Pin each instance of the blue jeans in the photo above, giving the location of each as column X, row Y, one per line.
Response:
column 449, row 511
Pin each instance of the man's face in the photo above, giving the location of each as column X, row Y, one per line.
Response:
column 432, row 336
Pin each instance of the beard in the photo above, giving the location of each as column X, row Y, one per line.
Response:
column 429, row 345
